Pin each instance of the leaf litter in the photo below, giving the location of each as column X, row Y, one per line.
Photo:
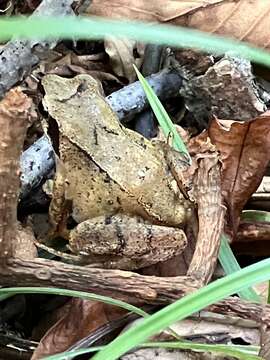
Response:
column 225, row 117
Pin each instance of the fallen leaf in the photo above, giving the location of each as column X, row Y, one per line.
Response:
column 148, row 10
column 65, row 62
column 83, row 318
column 73, row 70
column 245, row 154
column 240, row 19
column 50, row 317
column 122, row 53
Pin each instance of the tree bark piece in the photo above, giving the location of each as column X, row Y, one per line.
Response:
column 18, row 57
column 205, row 95
column 14, row 117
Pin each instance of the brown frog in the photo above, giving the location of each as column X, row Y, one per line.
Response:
column 117, row 185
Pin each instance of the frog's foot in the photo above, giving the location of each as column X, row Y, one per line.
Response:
column 72, row 258
column 125, row 242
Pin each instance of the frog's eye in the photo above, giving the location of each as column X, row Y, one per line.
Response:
column 170, row 138
column 82, row 87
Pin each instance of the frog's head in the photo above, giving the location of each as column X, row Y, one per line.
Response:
column 78, row 109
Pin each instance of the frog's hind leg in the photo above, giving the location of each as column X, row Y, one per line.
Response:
column 125, row 242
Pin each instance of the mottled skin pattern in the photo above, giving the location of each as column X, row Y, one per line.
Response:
column 106, row 169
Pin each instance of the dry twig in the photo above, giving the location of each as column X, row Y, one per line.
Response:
column 18, row 57
column 14, row 116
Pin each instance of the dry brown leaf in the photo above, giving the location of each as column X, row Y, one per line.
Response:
column 122, row 56
column 51, row 317
column 147, row 10
column 245, row 153
column 241, row 19
column 68, row 63
column 73, row 70
column 83, row 318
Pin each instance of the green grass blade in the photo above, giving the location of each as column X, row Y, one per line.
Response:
column 255, row 215
column 98, row 28
column 230, row 265
column 226, row 256
column 6, row 296
column 185, row 307
column 241, row 352
column 71, row 354
column 74, row 293
column 163, row 117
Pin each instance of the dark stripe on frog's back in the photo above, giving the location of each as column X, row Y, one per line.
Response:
column 120, row 235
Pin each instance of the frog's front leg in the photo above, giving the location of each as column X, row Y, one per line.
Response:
column 60, row 206
column 177, row 163
column 125, row 242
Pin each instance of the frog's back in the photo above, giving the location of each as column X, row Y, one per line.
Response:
column 94, row 193
column 119, row 170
